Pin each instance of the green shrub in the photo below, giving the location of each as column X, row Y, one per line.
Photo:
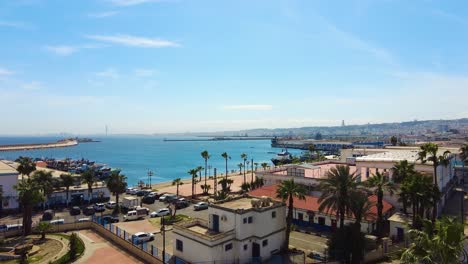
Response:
column 76, row 249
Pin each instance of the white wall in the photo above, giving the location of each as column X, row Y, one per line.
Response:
column 10, row 196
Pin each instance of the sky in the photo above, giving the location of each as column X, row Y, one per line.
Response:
column 163, row 66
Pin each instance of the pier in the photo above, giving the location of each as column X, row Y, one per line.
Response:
column 58, row 144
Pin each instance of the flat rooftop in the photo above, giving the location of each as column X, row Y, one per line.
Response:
column 6, row 167
column 242, row 203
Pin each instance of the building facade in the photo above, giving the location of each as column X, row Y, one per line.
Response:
column 242, row 230
column 8, row 179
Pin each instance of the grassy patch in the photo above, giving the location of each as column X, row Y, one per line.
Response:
column 66, row 258
column 169, row 220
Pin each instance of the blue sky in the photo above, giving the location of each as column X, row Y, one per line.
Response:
column 145, row 66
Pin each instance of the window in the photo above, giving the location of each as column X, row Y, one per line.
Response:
column 246, row 246
column 265, row 243
column 179, row 245
column 273, row 214
column 321, row 220
column 245, row 220
column 250, row 219
column 300, row 216
column 228, row 247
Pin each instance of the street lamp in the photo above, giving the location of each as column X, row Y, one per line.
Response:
column 150, row 174
column 462, row 203
column 163, row 231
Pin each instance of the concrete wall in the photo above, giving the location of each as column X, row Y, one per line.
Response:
column 10, row 196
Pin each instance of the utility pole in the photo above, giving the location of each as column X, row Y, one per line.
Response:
column 252, row 180
column 150, row 174
column 215, row 187
column 163, row 231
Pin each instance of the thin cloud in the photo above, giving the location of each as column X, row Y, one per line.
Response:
column 451, row 17
column 13, row 24
column 248, row 107
column 134, row 41
column 103, row 14
column 131, row 2
column 5, row 72
column 108, row 73
column 62, row 50
column 32, row 86
column 144, row 72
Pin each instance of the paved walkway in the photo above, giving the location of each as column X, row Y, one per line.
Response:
column 99, row 250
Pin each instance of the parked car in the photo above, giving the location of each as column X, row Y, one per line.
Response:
column 161, row 212
column 133, row 191
column 57, row 222
column 3, row 228
column 85, row 219
column 14, row 227
column 75, row 210
column 111, row 204
column 167, row 197
column 148, row 199
column 200, row 206
column 141, row 237
column 99, row 207
column 181, row 203
column 155, row 195
column 89, row 210
column 129, row 190
column 139, row 213
column 48, row 215
column 110, row 219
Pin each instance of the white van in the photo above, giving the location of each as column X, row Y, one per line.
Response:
column 57, row 222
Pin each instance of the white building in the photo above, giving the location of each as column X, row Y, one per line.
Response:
column 8, row 178
column 238, row 231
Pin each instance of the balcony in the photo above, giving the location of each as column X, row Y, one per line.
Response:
column 200, row 228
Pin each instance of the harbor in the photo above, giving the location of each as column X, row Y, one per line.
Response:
column 58, row 144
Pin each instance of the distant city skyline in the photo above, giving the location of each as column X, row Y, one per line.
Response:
column 154, row 66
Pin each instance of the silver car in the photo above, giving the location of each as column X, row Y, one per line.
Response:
column 200, row 206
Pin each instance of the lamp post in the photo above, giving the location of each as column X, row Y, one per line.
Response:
column 163, row 231
column 209, row 170
column 252, row 170
column 462, row 203
column 150, row 174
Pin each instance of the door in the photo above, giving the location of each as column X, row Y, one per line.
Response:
column 216, row 223
column 400, row 234
column 255, row 250
column 333, row 224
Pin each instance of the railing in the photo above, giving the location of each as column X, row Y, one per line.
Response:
column 211, row 236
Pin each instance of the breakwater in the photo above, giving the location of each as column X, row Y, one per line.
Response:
column 58, row 144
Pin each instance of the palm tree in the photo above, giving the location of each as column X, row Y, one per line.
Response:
column 29, row 194
column 427, row 153
column 394, row 140
column 240, row 169
column 67, row 181
column 205, row 155
column 44, row 180
column 360, row 207
column 256, row 165
column 287, row 191
column 177, row 182
column 421, row 193
column 226, row 157
column 401, row 170
column 117, row 184
column 380, row 184
column 89, row 179
column 194, row 174
column 43, row 227
column 264, row 165
column 441, row 242
column 26, row 166
column 336, row 189
column 244, row 157
column 464, row 159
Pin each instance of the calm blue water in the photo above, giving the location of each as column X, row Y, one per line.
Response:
column 135, row 155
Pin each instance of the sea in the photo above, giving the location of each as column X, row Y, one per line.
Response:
column 136, row 155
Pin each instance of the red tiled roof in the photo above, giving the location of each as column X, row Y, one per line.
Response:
column 41, row 164
column 311, row 202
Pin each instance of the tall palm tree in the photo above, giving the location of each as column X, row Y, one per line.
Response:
column 441, row 242
column 117, row 184
column 464, row 159
column 67, row 181
column 256, row 165
column 380, row 184
column 205, row 155
column 177, row 182
column 401, row 170
column 26, row 166
column 264, row 165
column 244, row 157
column 194, row 174
column 44, row 180
column 29, row 194
column 421, row 193
column 226, row 157
column 287, row 191
column 88, row 177
column 336, row 190
column 427, row 153
column 240, row 168
column 360, row 207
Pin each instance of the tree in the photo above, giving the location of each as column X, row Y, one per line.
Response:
column 88, row 177
column 240, row 169
column 206, row 188
column 226, row 185
column 67, row 181
column 177, row 182
column 427, row 153
column 464, row 159
column 256, row 166
column 360, row 207
column 441, row 243
column 117, row 184
column 318, row 136
column 44, row 180
column 402, row 170
column 73, row 246
column 29, row 194
column 43, row 227
column 226, row 157
column 245, row 187
column 194, row 174
column 420, row 193
column 336, row 190
column 393, row 140
column 264, row 165
column 380, row 184
column 26, row 166
column 205, row 155
column 287, row 191
column 244, row 157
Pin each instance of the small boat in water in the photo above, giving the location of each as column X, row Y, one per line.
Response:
column 283, row 157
